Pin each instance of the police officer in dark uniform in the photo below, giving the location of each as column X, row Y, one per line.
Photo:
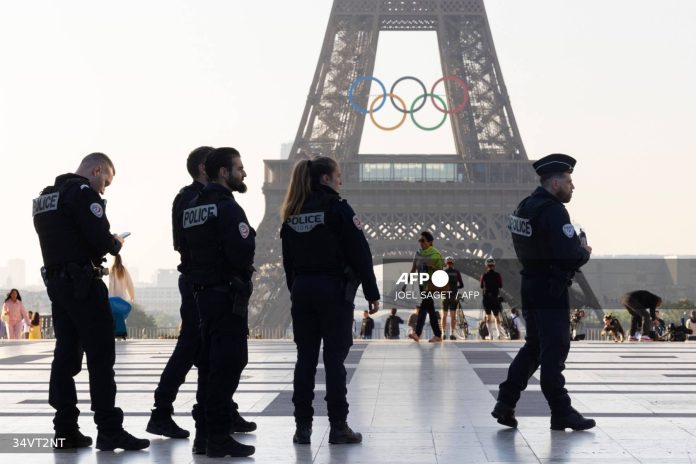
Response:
column 74, row 235
column 326, row 257
column 220, row 245
column 188, row 343
column 550, row 253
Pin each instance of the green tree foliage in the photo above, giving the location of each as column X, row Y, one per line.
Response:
column 139, row 318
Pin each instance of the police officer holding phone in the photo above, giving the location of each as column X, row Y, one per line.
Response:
column 325, row 257
column 550, row 252
column 74, row 235
column 220, row 245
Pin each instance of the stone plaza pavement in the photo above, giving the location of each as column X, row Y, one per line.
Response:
column 414, row 403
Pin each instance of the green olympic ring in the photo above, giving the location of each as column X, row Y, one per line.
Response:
column 444, row 113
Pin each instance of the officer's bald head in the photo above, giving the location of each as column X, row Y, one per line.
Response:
column 98, row 169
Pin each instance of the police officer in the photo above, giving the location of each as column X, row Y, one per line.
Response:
column 74, row 235
column 550, row 253
column 188, row 342
column 326, row 257
column 491, row 283
column 220, row 245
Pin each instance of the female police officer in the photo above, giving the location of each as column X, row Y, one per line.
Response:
column 326, row 257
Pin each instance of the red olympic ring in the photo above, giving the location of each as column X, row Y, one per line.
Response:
column 461, row 84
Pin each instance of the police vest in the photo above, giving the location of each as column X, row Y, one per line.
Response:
column 312, row 237
column 182, row 200
column 203, row 241
column 528, row 237
column 61, row 240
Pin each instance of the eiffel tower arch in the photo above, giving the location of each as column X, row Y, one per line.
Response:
column 463, row 199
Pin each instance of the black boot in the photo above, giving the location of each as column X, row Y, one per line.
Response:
column 161, row 423
column 505, row 414
column 221, row 446
column 122, row 440
column 240, row 425
column 573, row 420
column 200, row 443
column 303, row 434
column 72, row 439
column 342, row 434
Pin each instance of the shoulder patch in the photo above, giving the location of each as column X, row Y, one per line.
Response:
column 305, row 222
column 243, row 229
column 44, row 203
column 198, row 215
column 569, row 230
column 357, row 222
column 97, row 210
column 84, row 186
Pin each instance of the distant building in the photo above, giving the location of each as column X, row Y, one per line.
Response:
column 17, row 272
column 167, row 278
column 158, row 299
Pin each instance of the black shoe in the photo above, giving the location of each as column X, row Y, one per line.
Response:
column 228, row 446
column 240, row 425
column 303, row 434
column 163, row 424
column 573, row 420
column 200, row 444
column 342, row 434
column 452, row 337
column 122, row 440
column 71, row 440
column 505, row 415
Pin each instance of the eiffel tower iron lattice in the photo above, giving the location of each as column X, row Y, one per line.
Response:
column 463, row 199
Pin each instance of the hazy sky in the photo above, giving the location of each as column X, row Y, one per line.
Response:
column 610, row 82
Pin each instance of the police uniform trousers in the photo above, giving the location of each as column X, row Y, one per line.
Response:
column 547, row 345
column 186, row 351
column 321, row 312
column 222, row 358
column 82, row 326
column 427, row 307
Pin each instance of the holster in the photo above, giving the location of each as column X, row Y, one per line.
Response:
column 241, row 292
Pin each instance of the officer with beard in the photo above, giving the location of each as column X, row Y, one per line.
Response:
column 550, row 253
column 221, row 245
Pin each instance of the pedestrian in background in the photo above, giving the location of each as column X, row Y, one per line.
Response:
column 15, row 314
column 367, row 326
column 391, row 326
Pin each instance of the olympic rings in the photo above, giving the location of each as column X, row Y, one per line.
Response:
column 417, row 104
column 403, row 79
column 424, row 97
column 462, row 84
column 403, row 112
column 355, row 83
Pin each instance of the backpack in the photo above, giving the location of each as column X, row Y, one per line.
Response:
column 513, row 331
column 483, row 329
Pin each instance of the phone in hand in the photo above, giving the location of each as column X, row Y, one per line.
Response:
column 124, row 234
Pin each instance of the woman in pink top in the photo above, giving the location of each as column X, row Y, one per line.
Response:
column 14, row 313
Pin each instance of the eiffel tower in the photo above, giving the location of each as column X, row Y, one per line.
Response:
column 463, row 199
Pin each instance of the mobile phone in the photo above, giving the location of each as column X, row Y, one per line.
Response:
column 124, row 234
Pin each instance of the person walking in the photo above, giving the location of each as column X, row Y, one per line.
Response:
column 221, row 245
column 15, row 314
column 391, row 326
column 550, row 252
column 491, row 283
column 367, row 326
column 121, row 296
column 427, row 260
column 450, row 304
column 35, row 327
column 325, row 257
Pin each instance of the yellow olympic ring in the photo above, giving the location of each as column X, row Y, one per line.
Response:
column 403, row 115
